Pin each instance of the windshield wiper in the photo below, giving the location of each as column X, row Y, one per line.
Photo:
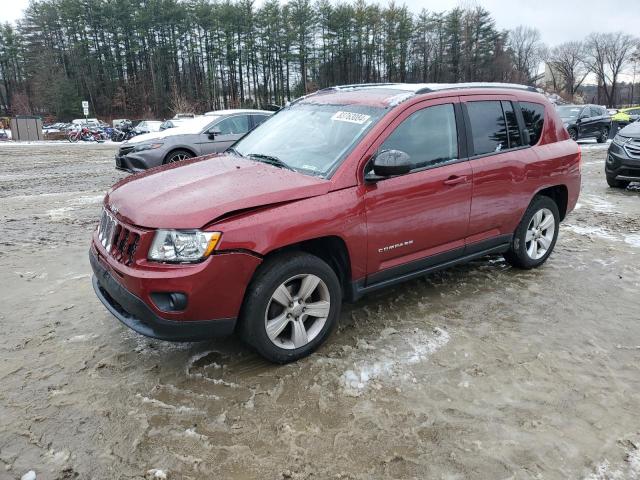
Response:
column 233, row 150
column 271, row 160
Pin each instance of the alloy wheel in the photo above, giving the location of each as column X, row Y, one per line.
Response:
column 540, row 233
column 178, row 157
column 297, row 311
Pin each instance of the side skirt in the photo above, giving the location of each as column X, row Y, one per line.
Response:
column 425, row 266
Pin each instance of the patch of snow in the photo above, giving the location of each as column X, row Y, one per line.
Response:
column 591, row 231
column 82, row 338
column 157, row 473
column 633, row 239
column 166, row 406
column 416, row 347
column 628, row 471
column 599, row 204
column 58, row 143
column 30, row 475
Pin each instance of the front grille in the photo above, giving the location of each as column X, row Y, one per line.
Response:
column 633, row 148
column 124, row 150
column 119, row 241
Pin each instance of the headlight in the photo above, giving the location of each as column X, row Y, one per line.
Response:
column 620, row 140
column 147, row 146
column 183, row 246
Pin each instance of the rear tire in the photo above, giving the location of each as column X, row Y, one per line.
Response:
column 177, row 156
column 273, row 318
column 604, row 135
column 613, row 183
column 536, row 235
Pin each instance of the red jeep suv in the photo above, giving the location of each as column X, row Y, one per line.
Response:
column 342, row 192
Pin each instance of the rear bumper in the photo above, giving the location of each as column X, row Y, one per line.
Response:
column 137, row 315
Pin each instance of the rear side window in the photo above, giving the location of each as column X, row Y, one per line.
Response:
column 533, row 114
column 428, row 136
column 488, row 127
column 512, row 125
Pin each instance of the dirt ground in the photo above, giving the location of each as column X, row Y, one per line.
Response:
column 481, row 371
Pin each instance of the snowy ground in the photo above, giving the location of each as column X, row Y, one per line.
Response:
column 481, row 371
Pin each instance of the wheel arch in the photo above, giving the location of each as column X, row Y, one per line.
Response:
column 176, row 148
column 332, row 249
column 559, row 194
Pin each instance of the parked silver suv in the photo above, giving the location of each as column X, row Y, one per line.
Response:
column 198, row 136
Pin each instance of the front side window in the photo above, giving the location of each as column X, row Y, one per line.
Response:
column 595, row 112
column 258, row 119
column 237, row 125
column 310, row 138
column 428, row 136
column 533, row 114
column 488, row 127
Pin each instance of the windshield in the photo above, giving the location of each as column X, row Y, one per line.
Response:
column 310, row 138
column 569, row 112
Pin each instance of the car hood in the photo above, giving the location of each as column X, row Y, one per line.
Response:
column 631, row 130
column 146, row 137
column 194, row 193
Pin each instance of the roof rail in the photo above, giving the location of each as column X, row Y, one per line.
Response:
column 436, row 87
column 357, row 85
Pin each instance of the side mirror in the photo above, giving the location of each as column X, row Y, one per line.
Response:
column 388, row 163
column 213, row 132
column 526, row 137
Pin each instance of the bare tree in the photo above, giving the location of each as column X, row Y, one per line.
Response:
column 527, row 51
column 568, row 67
column 607, row 55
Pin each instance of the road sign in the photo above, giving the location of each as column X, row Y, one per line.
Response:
column 86, row 111
column 85, row 104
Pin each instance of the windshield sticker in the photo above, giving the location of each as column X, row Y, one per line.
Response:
column 351, row 117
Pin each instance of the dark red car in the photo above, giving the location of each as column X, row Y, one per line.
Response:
column 341, row 193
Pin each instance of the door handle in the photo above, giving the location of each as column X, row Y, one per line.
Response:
column 455, row 180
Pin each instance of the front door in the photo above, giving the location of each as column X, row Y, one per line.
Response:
column 421, row 216
column 223, row 134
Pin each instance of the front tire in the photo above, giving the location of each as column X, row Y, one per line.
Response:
column 291, row 307
column 613, row 183
column 536, row 235
column 177, row 156
column 573, row 133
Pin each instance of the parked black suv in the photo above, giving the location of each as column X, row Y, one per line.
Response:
column 586, row 121
column 623, row 158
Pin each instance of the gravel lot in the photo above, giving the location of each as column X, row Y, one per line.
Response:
column 478, row 372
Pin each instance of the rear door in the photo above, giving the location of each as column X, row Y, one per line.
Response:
column 498, row 159
column 224, row 133
column 422, row 216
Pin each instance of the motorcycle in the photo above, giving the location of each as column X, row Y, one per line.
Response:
column 86, row 135
column 123, row 133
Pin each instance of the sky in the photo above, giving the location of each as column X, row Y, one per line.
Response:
column 558, row 20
